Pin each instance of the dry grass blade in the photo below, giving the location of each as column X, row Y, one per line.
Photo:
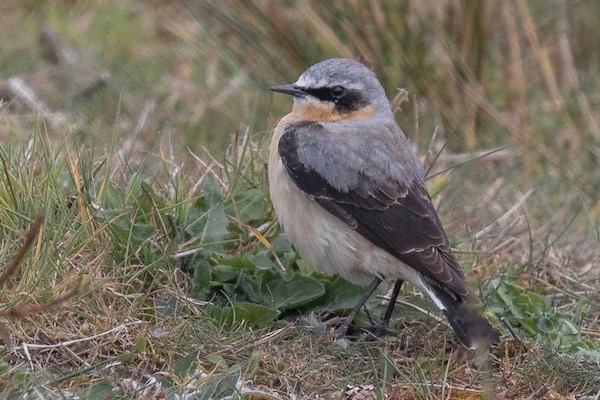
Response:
column 25, row 310
column 506, row 215
column 417, row 308
column 32, row 233
column 21, row 310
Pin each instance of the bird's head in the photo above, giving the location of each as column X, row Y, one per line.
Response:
column 337, row 89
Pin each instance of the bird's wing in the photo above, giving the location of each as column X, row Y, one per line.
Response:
column 398, row 217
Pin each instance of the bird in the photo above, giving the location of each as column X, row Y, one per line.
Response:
column 348, row 190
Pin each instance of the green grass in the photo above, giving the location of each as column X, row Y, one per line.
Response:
column 159, row 258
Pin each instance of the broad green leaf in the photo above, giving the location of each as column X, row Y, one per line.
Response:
column 147, row 202
column 238, row 262
column 530, row 325
column 201, row 270
column 224, row 273
column 186, row 366
column 281, row 244
column 218, row 361
column 545, row 325
column 507, row 294
column 250, row 313
column 588, row 353
column 218, row 387
column 252, row 366
column 567, row 327
column 339, row 295
column 140, row 345
column 135, row 234
column 101, row 390
column 285, row 251
column 197, row 215
column 535, row 315
column 295, row 291
column 142, row 232
column 215, row 229
column 150, row 194
column 262, row 261
column 134, row 184
column 251, row 206
column 246, row 288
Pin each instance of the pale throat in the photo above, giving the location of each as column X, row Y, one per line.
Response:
column 316, row 111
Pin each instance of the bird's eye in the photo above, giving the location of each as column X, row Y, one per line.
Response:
column 337, row 92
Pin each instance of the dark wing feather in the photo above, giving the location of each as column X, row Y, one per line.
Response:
column 398, row 218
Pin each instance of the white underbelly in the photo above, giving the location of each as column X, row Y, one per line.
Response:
column 325, row 241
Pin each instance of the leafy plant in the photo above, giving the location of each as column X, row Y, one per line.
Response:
column 536, row 317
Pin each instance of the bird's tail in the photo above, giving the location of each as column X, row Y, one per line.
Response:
column 467, row 321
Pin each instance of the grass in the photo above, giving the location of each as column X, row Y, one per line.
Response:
column 159, row 269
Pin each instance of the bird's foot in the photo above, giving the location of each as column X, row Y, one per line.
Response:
column 371, row 332
column 341, row 331
column 377, row 331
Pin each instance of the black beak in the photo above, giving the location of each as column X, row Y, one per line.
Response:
column 290, row 88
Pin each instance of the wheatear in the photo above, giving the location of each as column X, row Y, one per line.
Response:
column 349, row 193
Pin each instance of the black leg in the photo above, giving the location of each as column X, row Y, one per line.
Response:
column 369, row 316
column 341, row 331
column 377, row 330
column 392, row 303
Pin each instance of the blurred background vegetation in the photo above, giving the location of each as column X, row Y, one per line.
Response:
column 484, row 73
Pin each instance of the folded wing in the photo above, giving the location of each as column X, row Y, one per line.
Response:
column 397, row 217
